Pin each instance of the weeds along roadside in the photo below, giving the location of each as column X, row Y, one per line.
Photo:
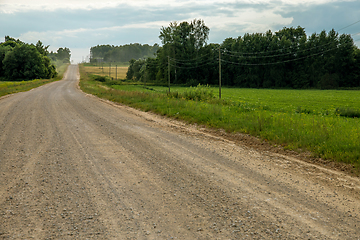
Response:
column 329, row 137
column 9, row 87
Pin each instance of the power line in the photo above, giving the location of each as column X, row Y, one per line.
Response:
column 189, row 60
column 195, row 63
column 348, row 26
column 188, row 63
column 183, row 65
column 280, row 62
column 197, row 66
column 284, row 49
column 278, row 50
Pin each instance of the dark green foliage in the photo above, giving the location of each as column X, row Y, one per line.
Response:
column 136, row 70
column 41, row 48
column 21, row 61
column 125, row 53
column 9, row 40
column 303, row 110
column 4, row 48
column 25, row 62
column 100, row 78
column 184, row 44
column 287, row 58
column 290, row 59
column 348, row 112
column 63, row 54
column 130, row 71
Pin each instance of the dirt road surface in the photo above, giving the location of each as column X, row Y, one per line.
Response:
column 76, row 167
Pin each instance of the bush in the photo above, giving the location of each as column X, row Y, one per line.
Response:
column 347, row 112
column 100, row 78
column 25, row 62
column 199, row 93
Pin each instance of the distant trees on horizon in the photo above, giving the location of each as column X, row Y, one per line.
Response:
column 287, row 58
column 111, row 53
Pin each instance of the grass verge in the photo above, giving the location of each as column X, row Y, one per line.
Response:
column 9, row 87
column 331, row 137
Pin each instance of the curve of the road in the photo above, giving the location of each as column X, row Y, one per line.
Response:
column 76, row 167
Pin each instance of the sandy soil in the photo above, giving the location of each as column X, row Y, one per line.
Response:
column 76, row 167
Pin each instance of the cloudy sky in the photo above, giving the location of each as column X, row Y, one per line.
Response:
column 81, row 24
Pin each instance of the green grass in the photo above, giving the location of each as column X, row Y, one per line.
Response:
column 296, row 119
column 319, row 102
column 9, row 87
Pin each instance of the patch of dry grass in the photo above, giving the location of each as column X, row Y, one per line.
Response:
column 115, row 72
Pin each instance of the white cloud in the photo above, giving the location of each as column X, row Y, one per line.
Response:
column 32, row 36
column 51, row 36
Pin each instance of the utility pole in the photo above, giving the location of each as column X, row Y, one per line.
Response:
column 109, row 69
column 219, row 73
column 145, row 75
column 169, row 72
column 115, row 72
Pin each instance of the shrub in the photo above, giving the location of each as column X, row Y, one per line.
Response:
column 100, row 78
column 199, row 93
column 347, row 112
column 302, row 110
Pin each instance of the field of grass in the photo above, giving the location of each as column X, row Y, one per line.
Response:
column 296, row 119
column 9, row 87
column 320, row 102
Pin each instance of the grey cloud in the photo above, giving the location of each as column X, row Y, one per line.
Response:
column 332, row 15
column 313, row 17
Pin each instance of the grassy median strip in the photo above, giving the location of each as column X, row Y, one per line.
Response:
column 9, row 87
column 319, row 130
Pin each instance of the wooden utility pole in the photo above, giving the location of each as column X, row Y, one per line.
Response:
column 169, row 72
column 109, row 69
column 115, row 72
column 219, row 73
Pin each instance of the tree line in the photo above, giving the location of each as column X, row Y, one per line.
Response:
column 22, row 61
column 111, row 53
column 287, row 58
column 62, row 55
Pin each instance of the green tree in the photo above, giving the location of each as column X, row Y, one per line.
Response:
column 136, row 70
column 64, row 54
column 184, row 42
column 13, row 40
column 4, row 48
column 130, row 71
column 43, row 50
column 25, row 62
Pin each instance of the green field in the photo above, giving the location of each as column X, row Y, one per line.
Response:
column 321, row 102
column 300, row 120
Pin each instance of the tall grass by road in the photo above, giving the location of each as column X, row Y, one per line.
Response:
column 9, row 87
column 312, row 127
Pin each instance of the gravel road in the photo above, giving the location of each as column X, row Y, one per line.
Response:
column 73, row 166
